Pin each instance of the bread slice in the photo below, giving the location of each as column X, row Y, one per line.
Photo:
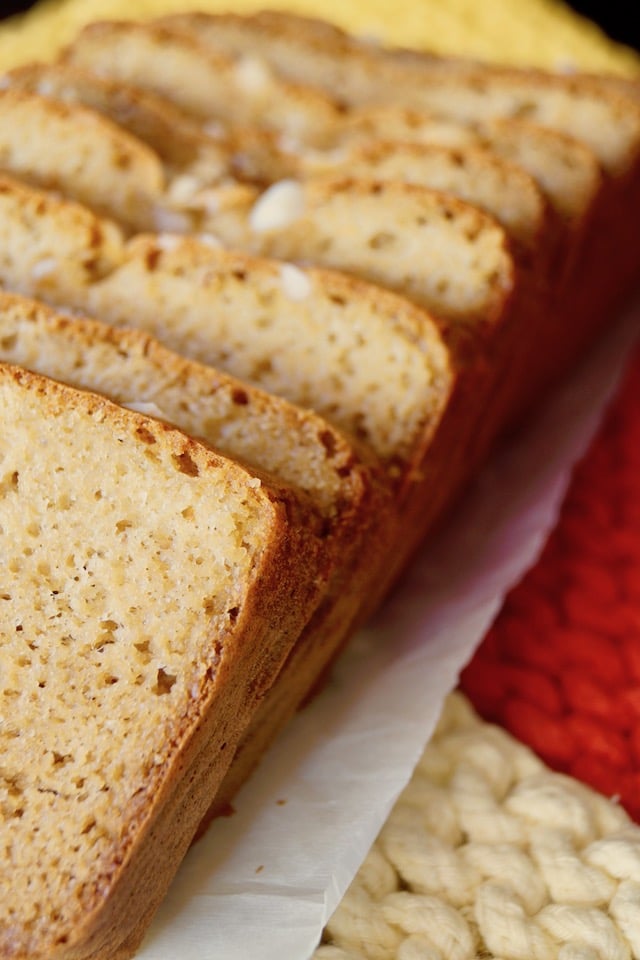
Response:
column 263, row 431
column 475, row 175
column 212, row 86
column 50, row 247
column 317, row 337
column 440, row 252
column 151, row 589
column 66, row 147
column 565, row 169
column 180, row 143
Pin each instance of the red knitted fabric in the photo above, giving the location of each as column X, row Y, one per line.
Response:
column 560, row 668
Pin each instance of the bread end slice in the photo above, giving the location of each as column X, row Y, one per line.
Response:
column 151, row 590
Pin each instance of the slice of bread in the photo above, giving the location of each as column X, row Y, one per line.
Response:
column 500, row 188
column 50, row 247
column 259, row 429
column 212, row 86
column 172, row 135
column 151, row 589
column 366, row 360
column 83, row 155
column 564, row 168
column 444, row 254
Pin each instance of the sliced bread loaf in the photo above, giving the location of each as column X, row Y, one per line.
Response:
column 603, row 116
column 151, row 589
column 316, row 337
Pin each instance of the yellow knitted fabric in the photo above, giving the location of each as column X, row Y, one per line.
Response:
column 542, row 32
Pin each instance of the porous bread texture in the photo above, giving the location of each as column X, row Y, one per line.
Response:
column 501, row 189
column 257, row 428
column 594, row 112
column 300, row 49
column 194, row 155
column 239, row 91
column 368, row 361
column 65, row 147
column 444, row 254
column 50, row 247
column 317, row 338
column 176, row 139
column 194, row 170
column 563, row 167
column 608, row 125
column 150, row 592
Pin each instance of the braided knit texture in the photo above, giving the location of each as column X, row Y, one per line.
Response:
column 489, row 854
column 560, row 669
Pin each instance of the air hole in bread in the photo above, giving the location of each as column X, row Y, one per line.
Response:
column 381, row 240
column 327, row 440
column 164, row 682
column 144, row 434
column 240, row 397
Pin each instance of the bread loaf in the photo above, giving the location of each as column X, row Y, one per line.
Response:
column 151, row 590
column 421, row 245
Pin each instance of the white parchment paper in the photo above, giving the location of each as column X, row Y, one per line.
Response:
column 263, row 882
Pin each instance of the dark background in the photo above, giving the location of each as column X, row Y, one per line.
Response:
column 618, row 19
